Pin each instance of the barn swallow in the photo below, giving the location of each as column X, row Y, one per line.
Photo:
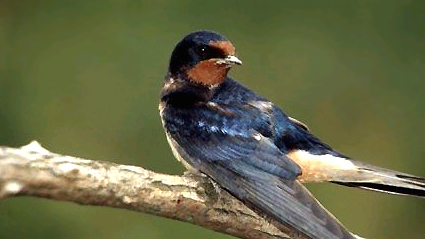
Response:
column 251, row 148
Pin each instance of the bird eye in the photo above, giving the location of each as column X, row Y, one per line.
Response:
column 204, row 51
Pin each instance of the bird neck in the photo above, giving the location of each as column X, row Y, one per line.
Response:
column 184, row 93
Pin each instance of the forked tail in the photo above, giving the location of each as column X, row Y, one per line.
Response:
column 384, row 180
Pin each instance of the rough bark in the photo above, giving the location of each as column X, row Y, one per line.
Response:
column 34, row 171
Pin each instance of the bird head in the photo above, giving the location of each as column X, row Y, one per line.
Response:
column 203, row 57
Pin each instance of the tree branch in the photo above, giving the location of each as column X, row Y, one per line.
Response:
column 34, row 171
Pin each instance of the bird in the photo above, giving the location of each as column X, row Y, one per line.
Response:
column 251, row 148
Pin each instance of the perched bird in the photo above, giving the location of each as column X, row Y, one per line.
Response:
column 251, row 148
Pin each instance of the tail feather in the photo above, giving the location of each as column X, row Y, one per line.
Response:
column 384, row 180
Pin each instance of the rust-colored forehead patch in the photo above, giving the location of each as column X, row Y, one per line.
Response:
column 226, row 46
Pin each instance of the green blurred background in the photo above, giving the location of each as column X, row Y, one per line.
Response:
column 82, row 78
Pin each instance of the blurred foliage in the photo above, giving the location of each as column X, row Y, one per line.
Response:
column 82, row 77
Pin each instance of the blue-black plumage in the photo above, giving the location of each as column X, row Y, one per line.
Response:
column 251, row 148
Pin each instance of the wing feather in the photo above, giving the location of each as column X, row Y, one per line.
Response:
column 255, row 171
